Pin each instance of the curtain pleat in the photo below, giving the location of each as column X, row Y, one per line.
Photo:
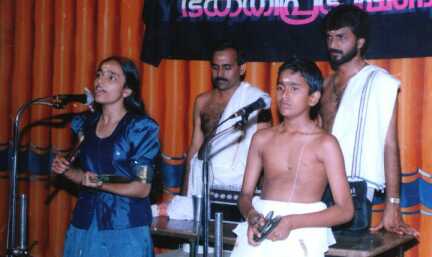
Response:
column 63, row 78
column 409, row 119
column 426, row 164
column 40, row 141
column 151, row 92
column 174, row 124
column 108, row 22
column 21, row 83
column 199, row 82
column 257, row 74
column 50, row 47
column 85, row 59
column 7, row 33
column 131, row 28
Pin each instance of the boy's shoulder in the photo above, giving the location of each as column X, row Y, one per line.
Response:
column 325, row 144
column 264, row 134
column 323, row 137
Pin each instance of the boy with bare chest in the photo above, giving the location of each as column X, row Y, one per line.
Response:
column 298, row 160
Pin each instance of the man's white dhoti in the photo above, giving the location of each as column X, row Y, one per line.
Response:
column 310, row 242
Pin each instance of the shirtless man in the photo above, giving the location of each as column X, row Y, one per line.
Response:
column 298, row 159
column 229, row 92
column 229, row 153
column 346, row 28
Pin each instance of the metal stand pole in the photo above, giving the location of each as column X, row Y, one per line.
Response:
column 218, row 234
column 23, row 203
column 206, row 205
column 11, row 247
column 205, row 170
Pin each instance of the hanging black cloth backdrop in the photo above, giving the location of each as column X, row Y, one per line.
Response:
column 271, row 30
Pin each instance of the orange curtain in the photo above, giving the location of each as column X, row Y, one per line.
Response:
column 53, row 46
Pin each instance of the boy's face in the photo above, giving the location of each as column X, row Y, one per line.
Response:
column 292, row 93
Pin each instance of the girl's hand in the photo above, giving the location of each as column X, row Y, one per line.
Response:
column 89, row 179
column 60, row 165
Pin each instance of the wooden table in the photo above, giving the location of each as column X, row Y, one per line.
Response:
column 364, row 245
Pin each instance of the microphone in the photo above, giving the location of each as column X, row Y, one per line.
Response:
column 59, row 101
column 261, row 103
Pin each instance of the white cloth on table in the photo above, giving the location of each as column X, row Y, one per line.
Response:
column 179, row 208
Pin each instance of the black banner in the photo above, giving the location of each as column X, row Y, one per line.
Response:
column 271, row 30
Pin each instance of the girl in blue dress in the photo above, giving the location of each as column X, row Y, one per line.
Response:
column 113, row 219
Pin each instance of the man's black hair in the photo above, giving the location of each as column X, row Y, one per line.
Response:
column 223, row 45
column 349, row 16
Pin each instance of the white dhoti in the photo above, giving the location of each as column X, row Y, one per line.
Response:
column 310, row 242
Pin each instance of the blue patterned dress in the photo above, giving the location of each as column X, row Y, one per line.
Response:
column 105, row 224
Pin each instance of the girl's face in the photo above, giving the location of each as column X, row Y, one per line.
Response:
column 110, row 84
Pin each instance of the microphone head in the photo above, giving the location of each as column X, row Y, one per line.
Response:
column 266, row 102
column 89, row 97
column 60, row 101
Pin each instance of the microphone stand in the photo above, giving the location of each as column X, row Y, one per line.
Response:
column 205, row 172
column 11, row 247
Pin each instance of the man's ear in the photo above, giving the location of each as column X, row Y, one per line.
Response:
column 360, row 43
column 127, row 92
column 314, row 98
column 242, row 69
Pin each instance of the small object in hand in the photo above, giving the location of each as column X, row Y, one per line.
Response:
column 75, row 150
column 108, row 178
column 267, row 228
column 70, row 157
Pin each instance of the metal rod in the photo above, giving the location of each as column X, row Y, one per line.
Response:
column 198, row 213
column 218, row 234
column 206, row 206
column 22, row 244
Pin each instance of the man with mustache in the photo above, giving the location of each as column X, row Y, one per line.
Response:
column 229, row 94
column 359, row 109
column 228, row 152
